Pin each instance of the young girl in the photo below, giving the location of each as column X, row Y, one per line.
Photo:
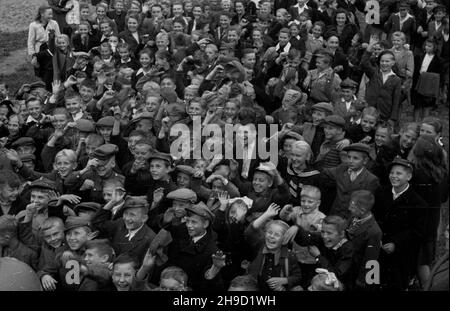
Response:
column 146, row 60
column 355, row 53
column 275, row 267
column 404, row 63
column 314, row 42
column 132, row 35
column 430, row 181
column 426, row 81
column 297, row 42
column 83, row 40
column 343, row 28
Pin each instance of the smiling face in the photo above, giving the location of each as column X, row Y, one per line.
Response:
column 39, row 198
column 159, row 169
column 196, row 225
column 54, row 236
column 407, row 139
column 93, row 256
column 428, row 130
column 382, row 136
column 330, row 235
column 123, row 276
column 399, row 176
column 64, row 166
column 368, row 123
column 309, row 203
column 331, row 131
column 387, row 61
column 8, row 193
column 274, row 236
column 105, row 167
column 341, row 18
column 76, row 238
column 73, row 105
column 134, row 218
column 183, row 180
column 179, row 207
column 261, row 182
column 35, row 109
column 132, row 24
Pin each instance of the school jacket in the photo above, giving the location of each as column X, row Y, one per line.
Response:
column 393, row 24
column 340, row 178
column 383, row 96
column 194, row 258
column 134, row 45
column 402, row 220
column 78, row 46
column 116, row 232
column 366, row 239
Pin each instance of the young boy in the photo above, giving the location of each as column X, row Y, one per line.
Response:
column 401, row 215
column 243, row 283
column 182, row 199
column 349, row 177
column 129, row 234
column 73, row 104
column 11, row 246
column 53, row 275
column 136, row 172
column 194, row 250
column 9, row 193
column 161, row 184
column 173, row 279
column 384, row 88
column 93, row 141
column 308, row 216
column 365, row 131
column 365, row 235
column 330, row 247
column 124, row 274
column 345, row 105
column 330, row 154
column 112, row 188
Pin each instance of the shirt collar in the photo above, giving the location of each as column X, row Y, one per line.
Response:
column 337, row 246
column 361, row 220
column 132, row 233
column 31, row 119
column 285, row 48
column 396, row 195
column 198, row 238
column 78, row 116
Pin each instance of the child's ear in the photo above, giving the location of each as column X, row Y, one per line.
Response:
column 92, row 235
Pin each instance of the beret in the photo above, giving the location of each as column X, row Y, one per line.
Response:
column 106, row 121
column 87, row 206
column 105, row 152
column 201, row 210
column 399, row 161
column 43, row 183
column 183, row 194
column 84, row 125
column 358, row 147
column 73, row 222
column 335, row 120
column 327, row 107
column 188, row 170
column 162, row 156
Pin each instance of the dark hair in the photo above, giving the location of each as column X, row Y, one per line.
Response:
column 433, row 42
column 340, row 11
column 385, row 52
column 247, row 115
column 337, row 221
column 364, row 198
column 9, row 178
column 88, row 83
column 41, row 11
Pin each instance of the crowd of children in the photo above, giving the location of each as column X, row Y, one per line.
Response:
column 92, row 172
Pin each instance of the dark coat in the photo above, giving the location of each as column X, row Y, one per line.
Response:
column 393, row 24
column 340, row 178
column 194, row 258
column 383, row 96
column 116, row 231
column 346, row 36
column 78, row 46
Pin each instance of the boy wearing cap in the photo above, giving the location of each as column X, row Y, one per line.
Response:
column 365, row 235
column 128, row 234
column 345, row 105
column 182, row 199
column 330, row 151
column 400, row 211
column 11, row 246
column 137, row 173
column 98, row 170
column 78, row 232
column 349, row 177
column 194, row 250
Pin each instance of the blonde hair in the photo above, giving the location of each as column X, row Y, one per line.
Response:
column 67, row 153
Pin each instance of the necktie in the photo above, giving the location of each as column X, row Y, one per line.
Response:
column 353, row 175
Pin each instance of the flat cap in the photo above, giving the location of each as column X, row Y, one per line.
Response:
column 106, row 121
column 183, row 194
column 87, row 206
column 161, row 156
column 400, row 161
column 439, row 7
column 358, row 147
column 86, row 126
column 294, row 135
column 26, row 157
column 43, row 183
column 73, row 222
column 105, row 152
column 335, row 120
column 323, row 106
column 349, row 83
column 176, row 110
column 188, row 170
column 135, row 202
column 37, row 85
column 201, row 210
column 23, row 141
